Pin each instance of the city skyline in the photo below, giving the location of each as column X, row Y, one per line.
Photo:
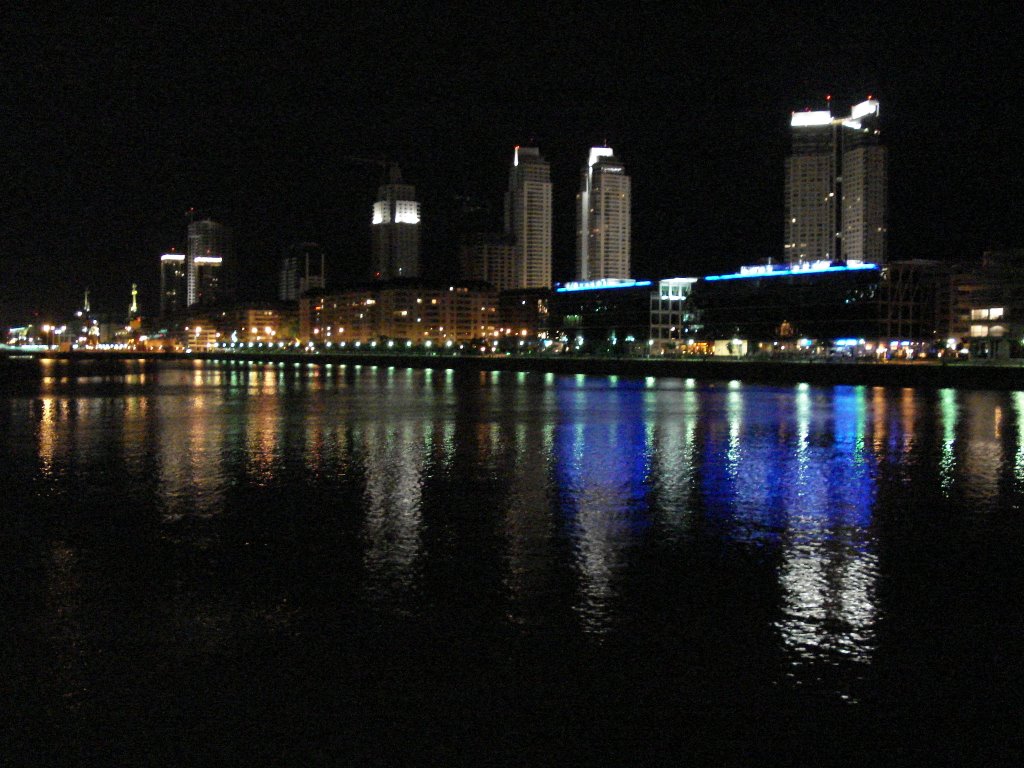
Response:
column 697, row 106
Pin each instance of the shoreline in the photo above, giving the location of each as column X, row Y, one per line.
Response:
column 967, row 375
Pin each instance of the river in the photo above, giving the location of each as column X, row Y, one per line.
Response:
column 210, row 563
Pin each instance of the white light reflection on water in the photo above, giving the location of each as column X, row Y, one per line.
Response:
column 800, row 478
column 829, row 568
column 394, row 452
column 672, row 437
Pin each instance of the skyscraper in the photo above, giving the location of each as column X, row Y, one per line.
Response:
column 396, row 229
column 209, row 244
column 864, row 188
column 492, row 258
column 603, row 209
column 302, row 269
column 528, row 217
column 173, row 283
column 835, row 192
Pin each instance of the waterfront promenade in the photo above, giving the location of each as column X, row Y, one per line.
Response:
column 930, row 373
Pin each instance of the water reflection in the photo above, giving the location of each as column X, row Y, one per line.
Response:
column 792, row 470
column 525, row 449
column 392, row 529
column 552, row 491
column 982, row 456
column 601, row 468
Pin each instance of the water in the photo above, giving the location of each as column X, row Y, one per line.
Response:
column 228, row 563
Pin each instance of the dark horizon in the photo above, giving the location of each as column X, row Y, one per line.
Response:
column 120, row 124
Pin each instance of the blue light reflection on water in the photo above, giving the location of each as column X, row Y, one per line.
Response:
column 601, row 472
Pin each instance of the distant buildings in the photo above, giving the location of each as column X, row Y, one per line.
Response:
column 302, row 269
column 528, row 217
column 396, row 229
column 835, row 191
column 603, row 213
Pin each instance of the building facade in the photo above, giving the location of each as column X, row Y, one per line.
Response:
column 401, row 311
column 302, row 269
column 528, row 217
column 988, row 305
column 675, row 323
column 490, row 258
column 819, row 301
column 209, row 247
column 603, row 219
column 396, row 229
column 835, row 189
column 601, row 316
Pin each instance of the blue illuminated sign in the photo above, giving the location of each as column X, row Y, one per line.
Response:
column 599, row 285
column 796, row 271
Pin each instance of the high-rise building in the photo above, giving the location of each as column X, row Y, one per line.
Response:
column 491, row 258
column 302, row 269
column 603, row 210
column 173, row 283
column 835, row 192
column 864, row 188
column 528, row 217
column 396, row 229
column 209, row 245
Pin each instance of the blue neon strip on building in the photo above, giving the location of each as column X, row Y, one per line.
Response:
column 798, row 272
column 634, row 284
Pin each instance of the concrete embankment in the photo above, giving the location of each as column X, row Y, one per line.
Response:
column 893, row 374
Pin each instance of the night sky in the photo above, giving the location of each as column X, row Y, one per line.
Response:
column 113, row 125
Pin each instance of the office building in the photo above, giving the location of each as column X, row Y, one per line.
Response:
column 863, row 187
column 209, row 246
column 528, row 217
column 603, row 219
column 396, row 229
column 302, row 269
column 173, row 283
column 603, row 316
column 766, row 303
column 835, row 189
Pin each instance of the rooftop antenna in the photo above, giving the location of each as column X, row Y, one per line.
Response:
column 85, row 304
column 190, row 214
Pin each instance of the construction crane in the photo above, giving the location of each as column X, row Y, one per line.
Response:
column 390, row 169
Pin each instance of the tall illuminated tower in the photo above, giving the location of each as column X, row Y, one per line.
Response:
column 835, row 191
column 209, row 244
column 396, row 229
column 603, row 210
column 528, row 217
column 864, row 189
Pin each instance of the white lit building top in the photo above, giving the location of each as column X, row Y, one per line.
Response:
column 809, row 119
